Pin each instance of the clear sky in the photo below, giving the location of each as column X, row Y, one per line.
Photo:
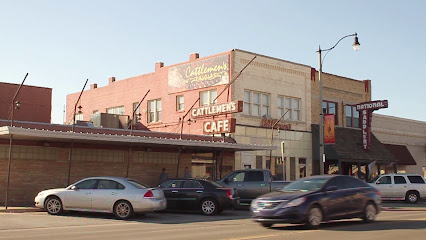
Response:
column 62, row 43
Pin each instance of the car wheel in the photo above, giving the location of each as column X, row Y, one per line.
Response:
column 370, row 213
column 209, row 206
column 53, row 205
column 412, row 197
column 267, row 225
column 123, row 209
column 314, row 217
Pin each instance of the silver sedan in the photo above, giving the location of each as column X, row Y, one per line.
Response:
column 121, row 196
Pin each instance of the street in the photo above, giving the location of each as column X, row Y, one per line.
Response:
column 402, row 224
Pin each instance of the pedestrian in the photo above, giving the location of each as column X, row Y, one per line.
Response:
column 187, row 173
column 164, row 176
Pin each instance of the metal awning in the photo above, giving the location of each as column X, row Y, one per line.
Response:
column 20, row 133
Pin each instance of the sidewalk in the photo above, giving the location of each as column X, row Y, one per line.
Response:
column 19, row 209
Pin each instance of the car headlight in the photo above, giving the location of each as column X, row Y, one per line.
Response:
column 40, row 194
column 254, row 203
column 295, row 202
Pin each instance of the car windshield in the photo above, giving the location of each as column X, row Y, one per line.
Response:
column 305, row 185
column 137, row 184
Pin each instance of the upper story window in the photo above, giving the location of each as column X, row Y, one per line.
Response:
column 207, row 97
column 352, row 116
column 179, row 103
column 154, row 111
column 256, row 103
column 137, row 112
column 292, row 105
column 330, row 108
column 116, row 110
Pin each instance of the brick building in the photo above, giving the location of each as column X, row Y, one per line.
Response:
column 268, row 87
column 35, row 102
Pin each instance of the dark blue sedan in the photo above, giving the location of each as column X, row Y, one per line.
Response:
column 316, row 199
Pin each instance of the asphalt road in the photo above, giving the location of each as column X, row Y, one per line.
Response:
column 235, row 225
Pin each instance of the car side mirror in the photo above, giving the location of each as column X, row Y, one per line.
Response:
column 234, row 179
column 225, row 180
column 330, row 188
column 74, row 188
column 378, row 182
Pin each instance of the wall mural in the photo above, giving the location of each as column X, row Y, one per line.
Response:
column 199, row 74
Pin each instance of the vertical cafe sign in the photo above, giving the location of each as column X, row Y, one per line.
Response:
column 199, row 74
column 366, row 111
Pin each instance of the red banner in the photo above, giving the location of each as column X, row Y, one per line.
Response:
column 329, row 136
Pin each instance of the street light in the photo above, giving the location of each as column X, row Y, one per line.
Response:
column 355, row 45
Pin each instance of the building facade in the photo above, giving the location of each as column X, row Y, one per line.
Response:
column 35, row 103
column 407, row 137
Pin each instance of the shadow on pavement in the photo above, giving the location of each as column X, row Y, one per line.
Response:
column 361, row 226
column 167, row 217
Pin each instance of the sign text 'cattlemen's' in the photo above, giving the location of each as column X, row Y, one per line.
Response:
column 226, row 125
column 217, row 109
column 270, row 122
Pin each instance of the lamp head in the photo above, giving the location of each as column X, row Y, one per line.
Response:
column 17, row 105
column 79, row 109
column 356, row 43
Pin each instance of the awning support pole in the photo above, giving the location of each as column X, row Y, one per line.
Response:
column 178, row 163
column 221, row 163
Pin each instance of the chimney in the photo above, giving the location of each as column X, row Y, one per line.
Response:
column 93, row 86
column 193, row 56
column 111, row 80
column 158, row 65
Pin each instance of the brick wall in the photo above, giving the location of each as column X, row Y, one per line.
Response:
column 35, row 102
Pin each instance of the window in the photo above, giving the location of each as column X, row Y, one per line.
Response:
column 207, row 97
column 256, row 104
column 109, row 184
column 116, row 110
column 79, row 117
column 290, row 104
column 137, row 113
column 416, row 179
column 191, row 184
column 171, row 184
column 399, row 180
column 255, row 176
column 237, row 177
column 87, row 184
column 338, row 182
column 330, row 108
column 385, row 180
column 352, row 116
column 154, row 111
column 179, row 103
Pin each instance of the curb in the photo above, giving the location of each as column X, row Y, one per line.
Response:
column 20, row 210
column 393, row 209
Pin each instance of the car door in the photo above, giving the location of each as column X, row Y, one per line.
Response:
column 190, row 194
column 399, row 189
column 80, row 196
column 255, row 184
column 171, row 192
column 384, row 184
column 336, row 198
column 236, row 180
column 106, row 194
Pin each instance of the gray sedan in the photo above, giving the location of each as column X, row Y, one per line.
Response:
column 121, row 196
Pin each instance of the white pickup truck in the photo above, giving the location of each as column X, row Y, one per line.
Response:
column 398, row 186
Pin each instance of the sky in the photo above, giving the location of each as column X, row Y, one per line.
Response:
column 63, row 43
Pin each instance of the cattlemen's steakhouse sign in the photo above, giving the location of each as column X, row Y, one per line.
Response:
column 226, row 125
column 366, row 111
column 217, row 109
column 199, row 74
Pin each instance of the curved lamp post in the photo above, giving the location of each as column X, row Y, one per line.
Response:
column 321, row 125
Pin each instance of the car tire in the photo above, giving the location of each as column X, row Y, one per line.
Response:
column 370, row 213
column 209, row 206
column 266, row 225
column 123, row 210
column 412, row 197
column 315, row 217
column 53, row 205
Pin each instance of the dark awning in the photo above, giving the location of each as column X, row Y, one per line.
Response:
column 401, row 153
column 348, row 147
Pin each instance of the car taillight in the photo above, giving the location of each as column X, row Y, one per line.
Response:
column 229, row 193
column 148, row 194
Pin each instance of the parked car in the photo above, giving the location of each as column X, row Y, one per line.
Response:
column 251, row 183
column 408, row 187
column 121, row 196
column 197, row 194
column 316, row 199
